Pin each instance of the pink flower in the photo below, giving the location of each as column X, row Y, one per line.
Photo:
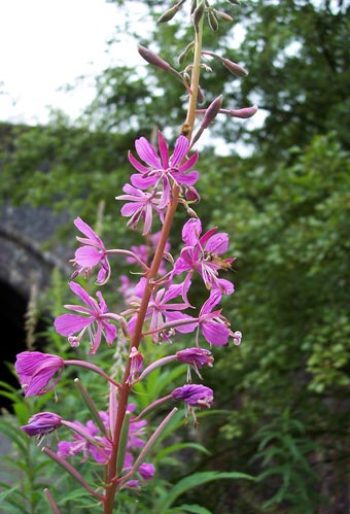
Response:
column 202, row 254
column 214, row 327
column 162, row 169
column 100, row 451
column 36, row 370
column 91, row 317
column 42, row 423
column 197, row 357
column 136, row 365
column 194, row 395
column 160, row 310
column 147, row 471
column 140, row 207
column 92, row 253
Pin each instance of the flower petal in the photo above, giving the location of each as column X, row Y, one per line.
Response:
column 191, row 231
column 83, row 295
column 69, row 324
column 86, row 229
column 147, row 152
column 218, row 243
column 88, row 256
column 215, row 333
column 181, row 148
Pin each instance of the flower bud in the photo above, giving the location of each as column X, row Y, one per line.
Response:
column 136, row 365
column 198, row 14
column 211, row 112
column 201, row 95
column 42, row 423
column 153, row 58
column 223, row 15
column 194, row 395
column 212, row 20
column 170, row 13
column 197, row 357
column 36, row 371
column 237, row 337
column 246, row 112
column 147, row 471
column 234, row 68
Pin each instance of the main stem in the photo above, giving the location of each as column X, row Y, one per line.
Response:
column 124, row 390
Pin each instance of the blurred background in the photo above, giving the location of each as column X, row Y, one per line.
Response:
column 73, row 96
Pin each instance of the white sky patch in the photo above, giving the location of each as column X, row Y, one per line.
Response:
column 46, row 44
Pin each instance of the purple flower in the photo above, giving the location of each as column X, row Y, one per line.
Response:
column 202, row 254
column 197, row 357
column 91, row 317
column 36, row 370
column 214, row 327
column 92, row 253
column 100, row 451
column 194, row 395
column 147, row 471
column 160, row 310
column 162, row 169
column 136, row 365
column 42, row 423
column 140, row 207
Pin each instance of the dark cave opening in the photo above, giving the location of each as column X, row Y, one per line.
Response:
column 12, row 318
column 13, row 306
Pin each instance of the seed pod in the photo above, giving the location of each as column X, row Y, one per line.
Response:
column 198, row 14
column 212, row 20
column 170, row 13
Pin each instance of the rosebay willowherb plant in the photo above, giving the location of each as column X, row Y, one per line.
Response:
column 156, row 306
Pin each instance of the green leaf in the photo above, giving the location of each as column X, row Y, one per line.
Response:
column 196, row 480
column 195, row 509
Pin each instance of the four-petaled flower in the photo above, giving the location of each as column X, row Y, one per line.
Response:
column 162, row 169
column 160, row 311
column 214, row 327
column 91, row 317
column 202, row 254
column 139, row 207
column 92, row 253
column 36, row 371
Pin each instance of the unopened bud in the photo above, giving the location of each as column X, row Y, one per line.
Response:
column 198, row 14
column 212, row 20
column 211, row 112
column 223, row 15
column 201, row 96
column 234, row 68
column 246, row 112
column 153, row 58
column 170, row 13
